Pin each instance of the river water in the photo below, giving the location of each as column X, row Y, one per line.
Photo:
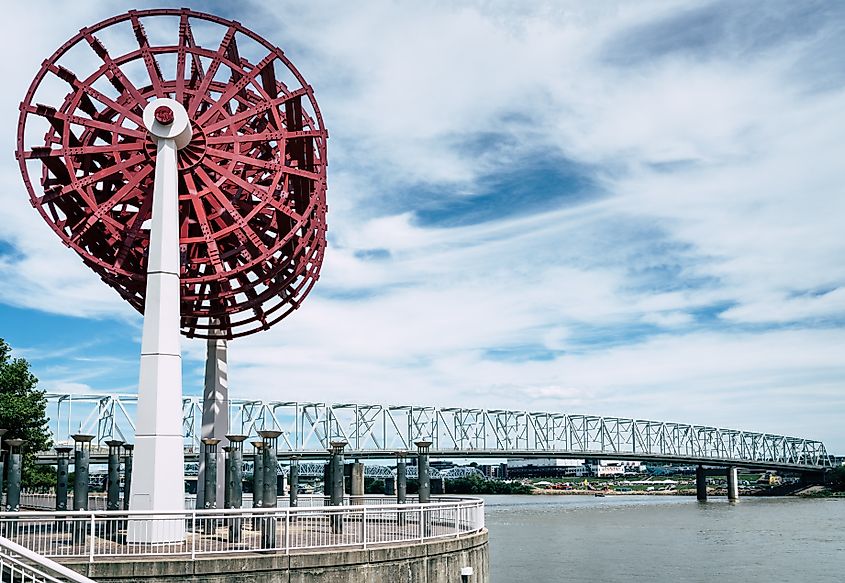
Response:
column 540, row 539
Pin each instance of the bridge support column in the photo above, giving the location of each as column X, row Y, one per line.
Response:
column 113, row 486
column 293, row 478
column 423, row 470
column 357, row 486
column 336, row 473
column 700, row 484
column 215, row 409
column 401, row 478
column 62, row 462
column 732, row 484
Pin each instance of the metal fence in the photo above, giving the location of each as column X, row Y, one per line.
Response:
column 20, row 565
column 97, row 502
column 103, row 535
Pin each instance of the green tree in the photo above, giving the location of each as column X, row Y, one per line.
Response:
column 23, row 411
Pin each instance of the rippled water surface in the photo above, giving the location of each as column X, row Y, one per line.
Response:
column 539, row 539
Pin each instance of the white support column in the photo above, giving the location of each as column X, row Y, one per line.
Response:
column 215, row 412
column 158, row 480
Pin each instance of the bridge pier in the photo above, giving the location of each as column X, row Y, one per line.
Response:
column 732, row 484
column 700, row 484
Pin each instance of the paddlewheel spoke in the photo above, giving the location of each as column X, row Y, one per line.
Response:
column 252, row 180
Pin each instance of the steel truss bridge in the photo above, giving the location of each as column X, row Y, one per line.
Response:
column 382, row 431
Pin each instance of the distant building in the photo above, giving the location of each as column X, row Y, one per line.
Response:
column 570, row 468
column 546, row 468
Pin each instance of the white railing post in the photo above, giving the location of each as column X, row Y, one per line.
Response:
column 194, row 534
column 364, row 526
column 91, row 540
column 422, row 517
column 287, row 531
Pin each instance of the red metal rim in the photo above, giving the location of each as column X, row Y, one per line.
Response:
column 252, row 190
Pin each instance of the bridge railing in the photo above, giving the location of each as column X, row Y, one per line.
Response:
column 309, row 427
column 104, row 536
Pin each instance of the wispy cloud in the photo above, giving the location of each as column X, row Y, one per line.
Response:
column 631, row 209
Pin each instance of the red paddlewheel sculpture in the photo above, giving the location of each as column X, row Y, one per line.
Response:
column 252, row 184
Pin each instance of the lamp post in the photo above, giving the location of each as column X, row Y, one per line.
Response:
column 233, row 490
column 270, row 464
column 81, row 460
column 401, row 477
column 293, row 482
column 423, row 447
column 336, row 474
column 113, row 496
column 13, row 494
column 128, row 448
column 209, row 486
column 2, row 462
column 62, row 462
column 257, row 474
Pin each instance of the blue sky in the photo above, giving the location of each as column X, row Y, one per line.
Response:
column 630, row 209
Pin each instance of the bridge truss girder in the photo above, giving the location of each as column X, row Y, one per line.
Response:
column 383, row 430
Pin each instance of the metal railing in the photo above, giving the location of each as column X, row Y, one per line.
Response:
column 97, row 502
column 19, row 564
column 104, row 535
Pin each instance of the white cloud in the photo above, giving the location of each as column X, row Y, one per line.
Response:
column 716, row 215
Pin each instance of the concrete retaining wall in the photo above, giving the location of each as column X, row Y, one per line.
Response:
column 430, row 562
